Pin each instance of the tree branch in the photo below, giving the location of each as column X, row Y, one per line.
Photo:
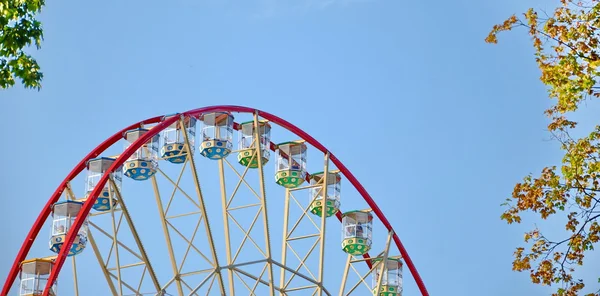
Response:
column 521, row 23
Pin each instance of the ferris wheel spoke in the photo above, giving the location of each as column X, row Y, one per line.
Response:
column 124, row 284
column 111, row 237
column 180, row 190
column 318, row 237
column 210, row 286
column 136, row 237
column 302, row 216
column 250, row 276
column 196, row 180
column 345, row 275
column 247, row 235
column 263, row 194
column 288, row 239
column 196, row 272
column 190, row 244
column 186, row 240
column 237, row 273
column 283, row 289
column 69, row 190
column 303, row 288
column 101, row 263
column 183, row 215
column 362, row 278
column 204, row 281
column 134, row 256
column 227, row 235
column 323, row 221
column 262, row 272
column 384, row 259
column 116, row 250
column 284, row 245
column 230, row 214
column 170, row 224
column 244, row 207
column 167, row 235
column 189, row 287
column 176, row 186
column 257, row 279
column 102, row 231
column 139, row 287
column 239, row 182
column 75, row 282
column 302, row 263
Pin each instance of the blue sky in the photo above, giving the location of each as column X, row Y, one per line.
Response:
column 454, row 122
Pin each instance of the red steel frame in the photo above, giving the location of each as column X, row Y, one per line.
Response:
column 87, row 206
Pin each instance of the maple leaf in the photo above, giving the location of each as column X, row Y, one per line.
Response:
column 566, row 46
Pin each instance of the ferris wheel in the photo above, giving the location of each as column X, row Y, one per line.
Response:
column 181, row 211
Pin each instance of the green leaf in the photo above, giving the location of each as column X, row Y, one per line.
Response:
column 19, row 29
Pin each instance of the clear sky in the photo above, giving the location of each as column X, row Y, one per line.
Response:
column 454, row 122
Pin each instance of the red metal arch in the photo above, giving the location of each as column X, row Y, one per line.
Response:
column 136, row 145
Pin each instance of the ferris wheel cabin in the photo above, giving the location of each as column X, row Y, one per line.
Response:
column 217, row 135
column 64, row 214
column 333, row 193
column 174, row 140
column 143, row 163
column 34, row 275
column 391, row 283
column 357, row 228
column 107, row 198
column 247, row 144
column 291, row 164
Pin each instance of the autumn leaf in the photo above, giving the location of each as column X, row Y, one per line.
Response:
column 565, row 44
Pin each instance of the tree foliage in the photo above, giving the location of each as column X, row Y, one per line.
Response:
column 19, row 29
column 565, row 42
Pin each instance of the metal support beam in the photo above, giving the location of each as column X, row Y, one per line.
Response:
column 202, row 205
column 307, row 278
column 75, row 283
column 202, row 282
column 323, row 220
column 226, row 226
column 105, row 271
column 136, row 237
column 345, row 276
column 258, row 146
column 383, row 269
column 115, row 245
column 165, row 227
column 286, row 214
